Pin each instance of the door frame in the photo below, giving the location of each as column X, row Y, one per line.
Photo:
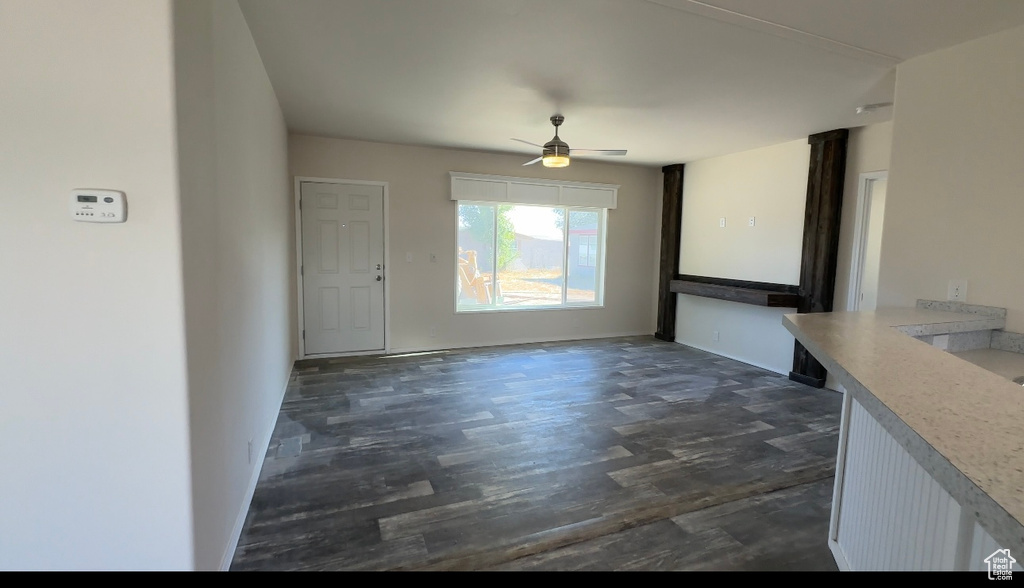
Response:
column 298, row 264
column 860, row 235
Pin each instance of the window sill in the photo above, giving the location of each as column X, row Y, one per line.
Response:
column 492, row 310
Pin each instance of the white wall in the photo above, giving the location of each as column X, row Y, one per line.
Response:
column 238, row 250
column 93, row 406
column 769, row 184
column 868, row 150
column 423, row 221
column 955, row 204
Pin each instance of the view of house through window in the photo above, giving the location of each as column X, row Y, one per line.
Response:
column 521, row 256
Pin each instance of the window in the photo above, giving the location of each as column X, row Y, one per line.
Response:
column 519, row 256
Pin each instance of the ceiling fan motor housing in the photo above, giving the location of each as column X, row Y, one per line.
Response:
column 556, row 146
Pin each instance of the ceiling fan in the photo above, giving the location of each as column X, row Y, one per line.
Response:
column 556, row 151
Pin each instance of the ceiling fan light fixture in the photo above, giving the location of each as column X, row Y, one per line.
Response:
column 555, row 160
column 555, row 153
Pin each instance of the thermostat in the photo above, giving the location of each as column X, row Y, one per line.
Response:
column 98, row 206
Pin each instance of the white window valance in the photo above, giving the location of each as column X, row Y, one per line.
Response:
column 487, row 188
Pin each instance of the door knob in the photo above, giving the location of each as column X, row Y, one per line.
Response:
column 378, row 267
column 379, row 278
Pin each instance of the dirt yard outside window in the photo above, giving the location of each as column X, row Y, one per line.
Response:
column 537, row 287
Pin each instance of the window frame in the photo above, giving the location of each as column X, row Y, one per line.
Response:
column 599, row 266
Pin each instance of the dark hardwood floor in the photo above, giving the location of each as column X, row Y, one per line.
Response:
column 781, row 530
column 625, row 453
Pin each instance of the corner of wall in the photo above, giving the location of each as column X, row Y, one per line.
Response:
column 237, row 250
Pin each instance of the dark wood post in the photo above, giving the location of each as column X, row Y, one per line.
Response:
column 671, row 228
column 821, row 241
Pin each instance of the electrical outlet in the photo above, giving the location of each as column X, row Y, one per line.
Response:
column 957, row 291
column 250, row 451
column 751, row 221
column 714, row 335
column 433, row 258
column 433, row 331
column 721, row 223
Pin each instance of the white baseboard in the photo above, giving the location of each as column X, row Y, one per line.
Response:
column 236, row 530
column 839, row 556
column 739, row 359
column 519, row 341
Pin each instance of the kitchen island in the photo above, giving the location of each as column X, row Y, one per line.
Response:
column 930, row 471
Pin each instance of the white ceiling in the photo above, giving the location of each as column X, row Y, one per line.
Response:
column 669, row 80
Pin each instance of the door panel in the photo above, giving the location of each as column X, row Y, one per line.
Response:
column 330, row 309
column 362, row 308
column 343, row 259
column 328, row 247
column 359, row 246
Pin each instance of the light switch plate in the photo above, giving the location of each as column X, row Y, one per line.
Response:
column 721, row 223
column 751, row 221
column 98, row 206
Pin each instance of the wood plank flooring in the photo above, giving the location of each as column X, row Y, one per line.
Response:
column 547, row 456
column 782, row 530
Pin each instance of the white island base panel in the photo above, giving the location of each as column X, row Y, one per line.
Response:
column 888, row 513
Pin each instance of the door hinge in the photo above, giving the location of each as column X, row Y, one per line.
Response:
column 302, row 270
column 300, row 204
column 303, row 334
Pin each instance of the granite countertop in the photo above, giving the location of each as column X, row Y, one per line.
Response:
column 962, row 423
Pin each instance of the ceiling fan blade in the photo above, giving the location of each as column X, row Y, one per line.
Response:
column 528, row 143
column 531, row 162
column 597, row 152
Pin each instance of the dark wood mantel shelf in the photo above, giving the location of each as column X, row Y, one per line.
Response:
column 744, row 292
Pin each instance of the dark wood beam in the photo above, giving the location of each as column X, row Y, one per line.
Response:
column 749, row 284
column 744, row 292
column 825, row 181
column 671, row 228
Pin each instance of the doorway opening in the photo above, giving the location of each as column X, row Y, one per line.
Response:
column 867, row 243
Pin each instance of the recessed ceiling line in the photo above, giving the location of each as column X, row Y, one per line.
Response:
column 738, row 18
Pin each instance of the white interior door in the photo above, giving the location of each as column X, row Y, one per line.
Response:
column 342, row 267
column 867, row 253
